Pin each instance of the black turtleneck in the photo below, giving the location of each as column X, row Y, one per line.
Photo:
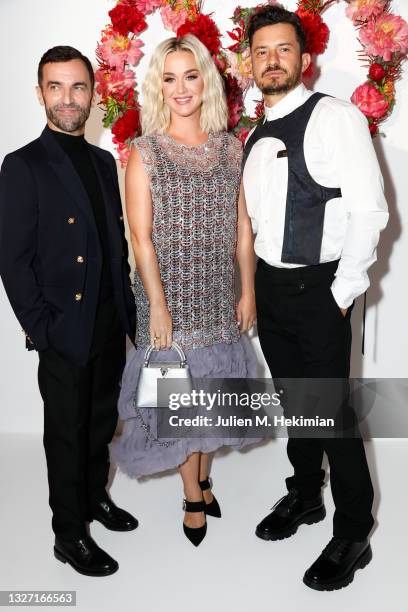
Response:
column 78, row 151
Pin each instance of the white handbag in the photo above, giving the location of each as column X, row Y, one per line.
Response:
column 151, row 373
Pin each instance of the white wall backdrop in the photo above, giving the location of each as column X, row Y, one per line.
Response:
column 28, row 28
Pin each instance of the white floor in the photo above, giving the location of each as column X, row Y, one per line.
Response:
column 160, row 571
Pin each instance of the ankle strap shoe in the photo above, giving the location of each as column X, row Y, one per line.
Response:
column 213, row 508
column 195, row 534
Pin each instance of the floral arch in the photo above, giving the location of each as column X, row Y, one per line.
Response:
column 383, row 37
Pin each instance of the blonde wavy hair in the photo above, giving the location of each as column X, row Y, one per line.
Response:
column 155, row 114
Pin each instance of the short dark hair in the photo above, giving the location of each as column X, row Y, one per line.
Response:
column 272, row 15
column 64, row 53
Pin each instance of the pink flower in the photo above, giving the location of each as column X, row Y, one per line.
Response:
column 362, row 10
column 134, row 52
column 384, row 36
column 173, row 19
column 370, row 101
column 240, row 68
column 123, row 150
column 148, row 6
column 114, row 82
column 116, row 49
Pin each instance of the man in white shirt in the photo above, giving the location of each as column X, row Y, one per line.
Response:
column 314, row 192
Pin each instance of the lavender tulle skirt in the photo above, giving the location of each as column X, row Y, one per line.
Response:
column 138, row 453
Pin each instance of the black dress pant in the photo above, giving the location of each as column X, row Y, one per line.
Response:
column 80, row 417
column 303, row 334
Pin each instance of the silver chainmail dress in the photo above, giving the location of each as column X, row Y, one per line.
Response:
column 194, row 193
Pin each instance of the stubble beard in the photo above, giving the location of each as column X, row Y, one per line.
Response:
column 292, row 80
column 68, row 124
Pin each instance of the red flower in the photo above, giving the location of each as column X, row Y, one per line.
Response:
column 308, row 73
column 259, row 109
column 126, row 126
column 377, row 72
column 221, row 62
column 317, row 32
column 373, row 127
column 242, row 134
column 238, row 35
column 126, row 97
column 205, row 29
column 127, row 18
column 235, row 100
column 237, row 13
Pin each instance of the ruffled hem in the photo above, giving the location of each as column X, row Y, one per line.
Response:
column 137, row 456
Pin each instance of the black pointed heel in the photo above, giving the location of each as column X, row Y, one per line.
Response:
column 213, row 508
column 195, row 534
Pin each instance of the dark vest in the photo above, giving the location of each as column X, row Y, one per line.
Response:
column 306, row 200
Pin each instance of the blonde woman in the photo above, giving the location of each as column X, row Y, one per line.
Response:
column 188, row 224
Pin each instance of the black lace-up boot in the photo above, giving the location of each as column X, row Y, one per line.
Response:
column 288, row 513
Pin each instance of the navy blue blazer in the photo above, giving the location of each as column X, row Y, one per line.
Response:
column 50, row 253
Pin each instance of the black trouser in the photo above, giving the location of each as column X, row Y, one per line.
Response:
column 303, row 334
column 80, row 416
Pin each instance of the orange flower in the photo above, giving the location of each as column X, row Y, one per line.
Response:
column 389, row 89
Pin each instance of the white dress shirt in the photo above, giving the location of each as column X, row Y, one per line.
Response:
column 339, row 153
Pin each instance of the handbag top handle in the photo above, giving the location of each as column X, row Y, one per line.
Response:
column 175, row 346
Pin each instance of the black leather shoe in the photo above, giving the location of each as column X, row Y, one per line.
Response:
column 114, row 518
column 335, row 567
column 85, row 556
column 288, row 513
column 213, row 508
column 195, row 534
